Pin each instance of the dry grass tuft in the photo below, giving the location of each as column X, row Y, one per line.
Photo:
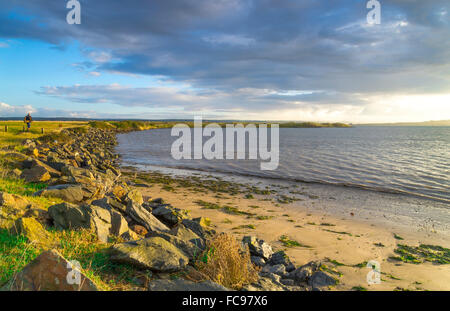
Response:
column 226, row 263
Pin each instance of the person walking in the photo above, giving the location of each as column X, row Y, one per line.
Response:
column 28, row 119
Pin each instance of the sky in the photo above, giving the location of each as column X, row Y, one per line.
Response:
column 301, row 60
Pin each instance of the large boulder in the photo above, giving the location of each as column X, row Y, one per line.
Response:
column 32, row 230
column 276, row 269
column 70, row 216
column 282, row 258
column 110, row 203
column 13, row 201
column 304, row 273
column 258, row 247
column 152, row 253
column 119, row 225
column 31, row 163
column 35, row 174
column 321, row 279
column 69, row 192
column 50, row 272
column 145, row 218
column 11, row 208
column 134, row 196
column 198, row 228
column 184, row 285
column 169, row 215
column 184, row 239
column 265, row 284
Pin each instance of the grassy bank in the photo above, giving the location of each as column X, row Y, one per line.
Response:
column 15, row 134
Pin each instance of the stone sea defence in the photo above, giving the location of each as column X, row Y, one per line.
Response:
column 80, row 169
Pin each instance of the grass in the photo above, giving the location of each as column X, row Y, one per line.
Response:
column 19, row 187
column 261, row 217
column 338, row 232
column 16, row 252
column 361, row 265
column 15, row 134
column 287, row 242
column 397, row 237
column 422, row 253
column 244, row 227
column 225, row 263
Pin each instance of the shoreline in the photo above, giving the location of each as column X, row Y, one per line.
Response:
column 340, row 201
column 325, row 231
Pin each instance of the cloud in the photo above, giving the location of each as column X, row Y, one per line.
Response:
column 242, row 55
column 9, row 110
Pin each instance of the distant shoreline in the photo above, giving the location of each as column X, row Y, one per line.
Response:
column 285, row 124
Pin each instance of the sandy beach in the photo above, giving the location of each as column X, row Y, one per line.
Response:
column 343, row 228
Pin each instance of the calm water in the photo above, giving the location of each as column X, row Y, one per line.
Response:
column 412, row 160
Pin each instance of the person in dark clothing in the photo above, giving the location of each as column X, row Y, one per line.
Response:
column 28, row 119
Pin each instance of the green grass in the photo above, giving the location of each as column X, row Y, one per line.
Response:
column 287, row 242
column 245, row 227
column 15, row 134
column 16, row 252
column 360, row 265
column 359, row 289
column 422, row 253
column 397, row 237
column 19, row 187
column 207, row 205
column 264, row 217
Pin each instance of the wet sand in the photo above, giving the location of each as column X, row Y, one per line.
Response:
column 334, row 224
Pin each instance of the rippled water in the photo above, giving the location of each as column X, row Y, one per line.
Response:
column 413, row 160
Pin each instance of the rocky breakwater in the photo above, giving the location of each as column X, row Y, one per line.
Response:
column 80, row 168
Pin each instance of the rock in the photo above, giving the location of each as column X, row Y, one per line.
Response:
column 101, row 218
column 31, row 163
column 32, row 230
column 258, row 261
column 119, row 192
column 276, row 269
column 134, row 196
column 169, row 215
column 40, row 215
column 35, row 174
column 109, row 204
column 184, row 285
column 205, row 222
column 184, row 239
column 49, row 272
column 280, row 257
column 139, row 230
column 258, row 247
column 69, row 216
column 303, row 274
column 287, row 282
column 153, row 253
column 321, row 279
column 119, row 225
column 13, row 201
column 144, row 218
column 15, row 173
column 265, row 284
column 198, row 229
column 70, row 193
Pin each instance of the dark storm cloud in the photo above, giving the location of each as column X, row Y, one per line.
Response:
column 226, row 46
